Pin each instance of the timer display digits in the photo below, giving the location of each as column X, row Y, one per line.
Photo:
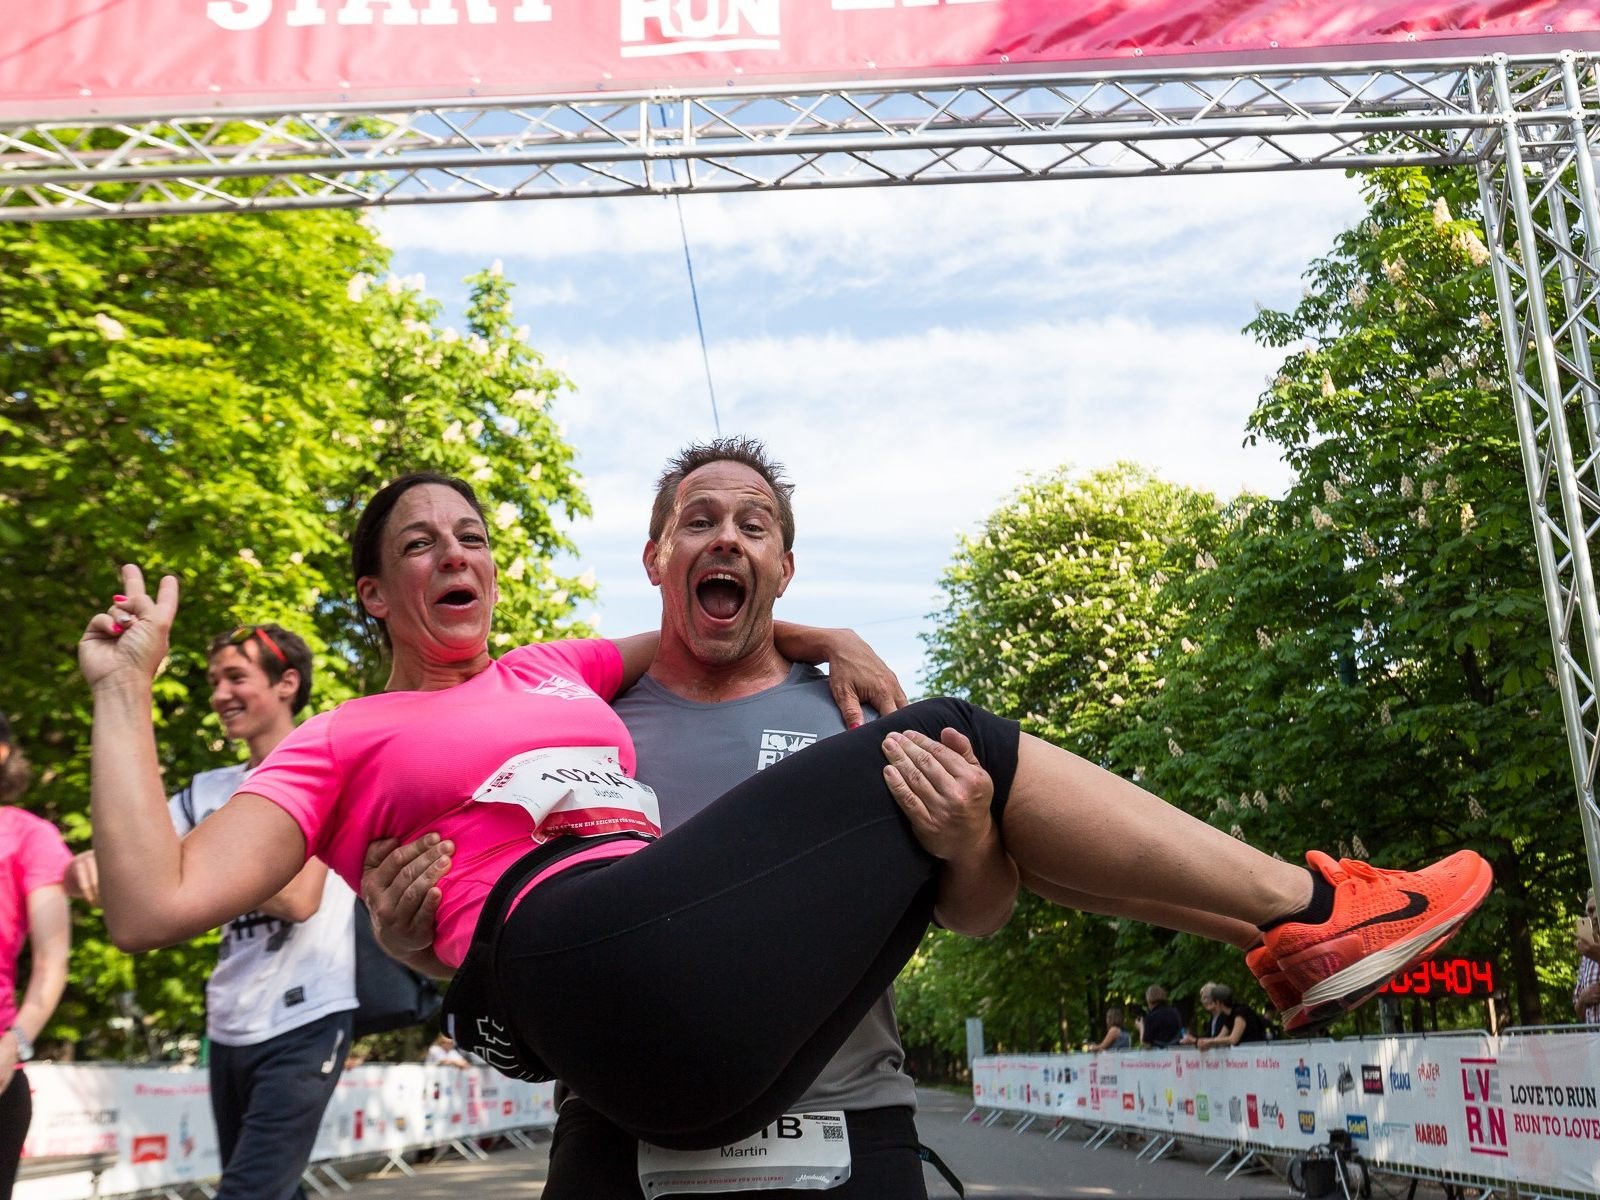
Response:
column 1444, row 977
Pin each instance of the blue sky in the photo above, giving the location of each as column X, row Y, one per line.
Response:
column 911, row 354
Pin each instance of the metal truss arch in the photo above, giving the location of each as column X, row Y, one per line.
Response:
column 930, row 131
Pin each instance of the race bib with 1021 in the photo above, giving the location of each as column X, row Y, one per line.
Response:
column 578, row 791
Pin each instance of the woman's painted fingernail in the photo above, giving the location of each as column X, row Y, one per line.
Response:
column 119, row 627
column 119, row 599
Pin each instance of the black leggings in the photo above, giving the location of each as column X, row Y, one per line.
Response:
column 692, row 991
column 16, row 1112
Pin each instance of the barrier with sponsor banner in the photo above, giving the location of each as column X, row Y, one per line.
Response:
column 1521, row 1108
column 157, row 1123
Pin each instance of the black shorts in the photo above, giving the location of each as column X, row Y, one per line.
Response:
column 691, row 992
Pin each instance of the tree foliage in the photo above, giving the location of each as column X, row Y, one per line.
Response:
column 214, row 398
column 1056, row 613
column 1363, row 666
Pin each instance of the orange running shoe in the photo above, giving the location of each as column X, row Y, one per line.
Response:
column 1382, row 922
column 1284, row 995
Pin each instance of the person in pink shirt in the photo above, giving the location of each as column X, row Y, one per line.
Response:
column 688, row 988
column 33, row 908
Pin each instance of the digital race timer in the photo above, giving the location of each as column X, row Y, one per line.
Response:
column 1444, row 977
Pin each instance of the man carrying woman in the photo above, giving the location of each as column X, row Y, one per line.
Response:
column 735, row 956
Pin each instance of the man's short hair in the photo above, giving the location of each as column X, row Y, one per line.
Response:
column 276, row 651
column 1155, row 994
column 747, row 452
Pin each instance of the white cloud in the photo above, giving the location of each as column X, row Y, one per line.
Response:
column 1159, row 238
column 911, row 354
column 932, row 428
column 897, row 443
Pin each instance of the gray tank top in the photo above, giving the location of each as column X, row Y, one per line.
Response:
column 691, row 753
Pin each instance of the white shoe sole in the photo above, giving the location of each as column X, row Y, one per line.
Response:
column 1380, row 965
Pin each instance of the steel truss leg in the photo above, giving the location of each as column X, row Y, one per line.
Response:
column 1544, row 177
column 339, row 1180
column 1248, row 1160
column 519, row 1139
column 1222, row 1158
column 1161, row 1146
column 397, row 1162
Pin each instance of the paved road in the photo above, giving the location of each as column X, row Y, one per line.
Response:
column 994, row 1163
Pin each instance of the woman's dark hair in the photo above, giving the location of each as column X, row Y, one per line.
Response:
column 1114, row 1017
column 366, row 543
column 15, row 770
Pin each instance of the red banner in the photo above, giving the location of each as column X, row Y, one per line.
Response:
column 83, row 57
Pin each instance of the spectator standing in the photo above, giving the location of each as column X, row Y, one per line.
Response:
column 1232, row 1021
column 1586, row 995
column 1117, row 1036
column 33, row 909
column 1163, row 1024
column 444, row 1053
column 279, row 1004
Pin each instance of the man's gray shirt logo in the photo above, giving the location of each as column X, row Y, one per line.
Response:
column 777, row 744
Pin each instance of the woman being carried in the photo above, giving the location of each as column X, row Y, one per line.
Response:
column 689, row 989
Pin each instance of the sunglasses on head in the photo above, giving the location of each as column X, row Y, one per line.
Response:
column 244, row 633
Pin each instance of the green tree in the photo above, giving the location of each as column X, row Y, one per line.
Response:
column 1057, row 614
column 214, row 397
column 1371, row 659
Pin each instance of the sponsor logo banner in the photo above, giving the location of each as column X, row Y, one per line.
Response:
column 157, row 1125
column 1521, row 1109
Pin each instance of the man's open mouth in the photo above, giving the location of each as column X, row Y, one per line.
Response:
column 721, row 595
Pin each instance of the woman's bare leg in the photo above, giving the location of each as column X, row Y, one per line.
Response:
column 1152, row 912
column 1071, row 824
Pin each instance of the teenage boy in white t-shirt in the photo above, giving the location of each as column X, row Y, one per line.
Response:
column 280, row 1002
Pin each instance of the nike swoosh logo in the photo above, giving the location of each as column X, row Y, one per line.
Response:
column 1416, row 904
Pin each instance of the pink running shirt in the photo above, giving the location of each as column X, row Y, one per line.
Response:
column 403, row 764
column 32, row 856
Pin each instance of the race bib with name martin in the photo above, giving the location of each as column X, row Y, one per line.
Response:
column 797, row 1152
column 576, row 791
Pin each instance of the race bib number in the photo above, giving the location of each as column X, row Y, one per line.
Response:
column 577, row 791
column 801, row 1151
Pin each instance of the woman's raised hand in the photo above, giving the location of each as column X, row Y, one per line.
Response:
column 127, row 642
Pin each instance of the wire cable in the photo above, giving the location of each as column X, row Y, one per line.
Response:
column 699, row 324
column 694, row 291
